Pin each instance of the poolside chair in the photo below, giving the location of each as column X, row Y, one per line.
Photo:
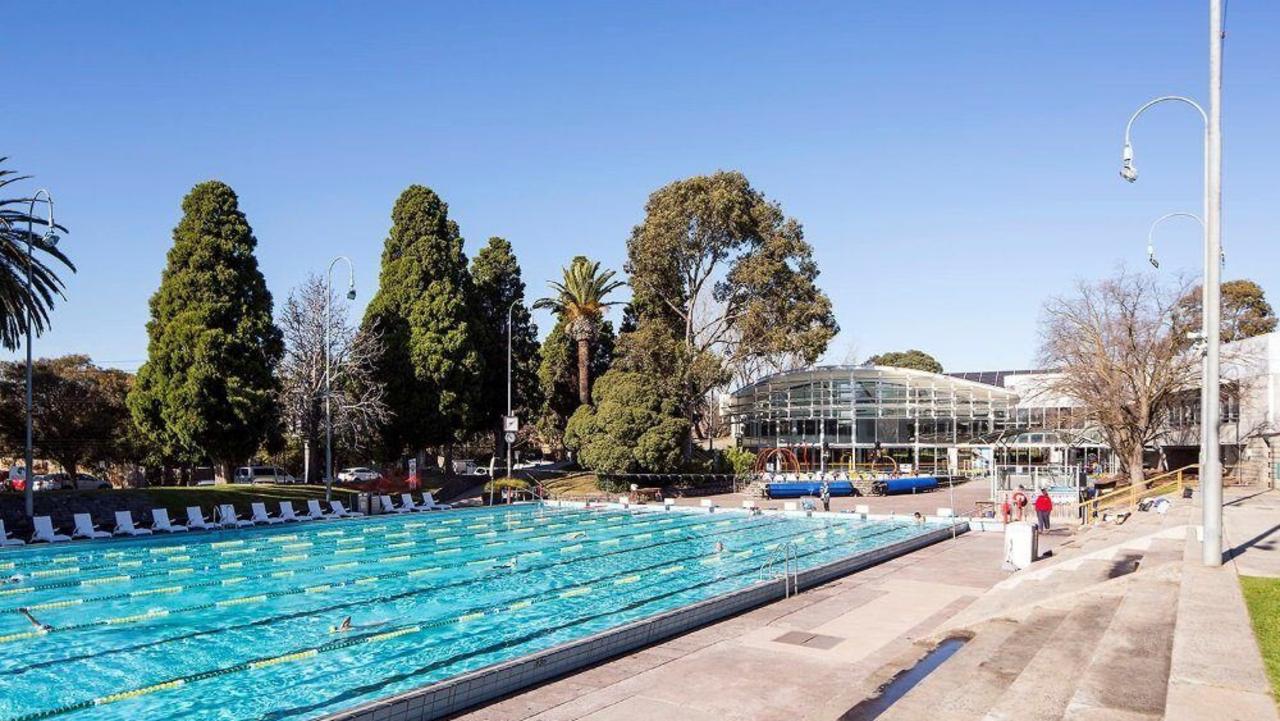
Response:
column 125, row 527
column 287, row 513
column 429, row 503
column 160, row 522
column 85, row 528
column 389, row 507
column 45, row 532
column 196, row 519
column 227, row 517
column 260, row 514
column 6, row 541
column 340, row 511
column 315, row 513
column 406, row 501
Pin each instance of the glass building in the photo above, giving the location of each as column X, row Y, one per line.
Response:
column 854, row 416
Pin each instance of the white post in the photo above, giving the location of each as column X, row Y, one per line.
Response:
column 1212, row 483
column 328, row 418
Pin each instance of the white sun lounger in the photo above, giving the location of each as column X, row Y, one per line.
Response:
column 227, row 517
column 196, row 519
column 406, row 501
column 315, row 513
column 160, row 522
column 388, row 506
column 44, row 531
column 6, row 541
column 85, row 528
column 125, row 527
column 287, row 513
column 429, row 503
column 260, row 514
column 341, row 511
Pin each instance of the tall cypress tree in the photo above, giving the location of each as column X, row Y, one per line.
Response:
column 495, row 274
column 430, row 364
column 207, row 389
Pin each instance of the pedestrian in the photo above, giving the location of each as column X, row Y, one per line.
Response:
column 825, row 494
column 1044, row 506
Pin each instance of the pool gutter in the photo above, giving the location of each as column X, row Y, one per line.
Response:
column 462, row 692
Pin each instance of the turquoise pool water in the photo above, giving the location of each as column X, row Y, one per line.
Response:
column 239, row 625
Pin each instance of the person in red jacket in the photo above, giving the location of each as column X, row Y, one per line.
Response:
column 1044, row 506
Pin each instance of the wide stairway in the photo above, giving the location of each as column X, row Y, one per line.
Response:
column 1086, row 635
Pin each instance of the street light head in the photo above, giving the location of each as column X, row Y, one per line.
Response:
column 1151, row 256
column 51, row 239
column 1127, row 170
column 351, row 294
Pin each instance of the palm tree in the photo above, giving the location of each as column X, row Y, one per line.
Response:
column 579, row 300
column 15, row 299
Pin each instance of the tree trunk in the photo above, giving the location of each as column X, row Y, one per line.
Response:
column 1136, row 476
column 584, row 371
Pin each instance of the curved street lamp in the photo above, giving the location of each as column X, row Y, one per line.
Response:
column 50, row 239
column 328, row 418
column 1210, row 467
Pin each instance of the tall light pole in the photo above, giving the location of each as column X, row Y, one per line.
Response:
column 1210, row 465
column 50, row 240
column 1204, row 289
column 328, row 417
column 510, row 308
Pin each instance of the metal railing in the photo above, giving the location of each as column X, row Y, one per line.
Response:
column 789, row 557
column 1129, row 496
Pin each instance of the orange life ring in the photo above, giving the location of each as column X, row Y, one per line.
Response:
column 1020, row 498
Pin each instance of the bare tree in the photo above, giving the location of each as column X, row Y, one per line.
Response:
column 1117, row 354
column 358, row 400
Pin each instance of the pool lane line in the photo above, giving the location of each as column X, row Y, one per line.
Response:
column 662, row 567
column 311, row 589
column 87, row 552
column 453, row 618
column 139, row 554
column 159, row 573
column 306, row 571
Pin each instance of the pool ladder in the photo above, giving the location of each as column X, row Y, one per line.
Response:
column 790, row 568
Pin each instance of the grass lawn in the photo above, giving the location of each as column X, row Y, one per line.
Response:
column 1262, row 596
column 577, row 485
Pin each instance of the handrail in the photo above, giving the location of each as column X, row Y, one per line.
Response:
column 1135, row 492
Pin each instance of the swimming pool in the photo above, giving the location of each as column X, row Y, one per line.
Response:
column 240, row 625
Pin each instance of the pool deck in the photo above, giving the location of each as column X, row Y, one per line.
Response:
column 781, row 660
column 964, row 497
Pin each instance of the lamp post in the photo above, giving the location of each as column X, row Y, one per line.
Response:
column 510, row 308
column 1210, row 466
column 1204, row 289
column 50, row 239
column 328, row 417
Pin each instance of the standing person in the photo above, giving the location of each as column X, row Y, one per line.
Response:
column 825, row 494
column 1044, row 506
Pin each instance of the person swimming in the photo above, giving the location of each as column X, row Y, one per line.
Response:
column 347, row 626
column 575, row 535
column 719, row 547
column 15, row 578
column 34, row 621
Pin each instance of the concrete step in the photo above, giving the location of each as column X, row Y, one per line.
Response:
column 1127, row 676
column 968, row 683
column 1048, row 682
column 991, row 680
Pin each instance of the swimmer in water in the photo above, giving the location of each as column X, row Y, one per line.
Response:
column 34, row 621
column 719, row 547
column 918, row 518
column 15, row 578
column 575, row 535
column 347, row 626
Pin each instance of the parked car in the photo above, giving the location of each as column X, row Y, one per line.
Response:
column 358, row 474
column 263, row 474
column 44, row 482
column 82, row 482
column 468, row 467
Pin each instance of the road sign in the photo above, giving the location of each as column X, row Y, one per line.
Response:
column 510, row 436
column 510, row 424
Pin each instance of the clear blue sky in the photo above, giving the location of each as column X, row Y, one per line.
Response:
column 953, row 163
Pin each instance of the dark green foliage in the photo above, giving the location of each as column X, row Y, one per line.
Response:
column 558, row 378
column 916, row 359
column 15, row 301
column 78, row 411
column 207, row 390
column 430, row 366
column 631, row 425
column 495, row 274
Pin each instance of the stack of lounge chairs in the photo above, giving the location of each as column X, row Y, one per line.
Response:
column 225, row 516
